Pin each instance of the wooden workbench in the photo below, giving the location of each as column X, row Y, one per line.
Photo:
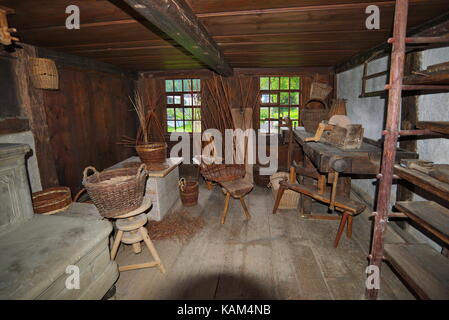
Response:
column 320, row 158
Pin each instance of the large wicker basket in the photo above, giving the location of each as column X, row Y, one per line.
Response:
column 43, row 73
column 220, row 172
column 290, row 198
column 116, row 191
column 311, row 118
column 153, row 155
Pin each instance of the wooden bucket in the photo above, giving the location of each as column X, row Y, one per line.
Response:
column 43, row 73
column 189, row 192
column 52, row 200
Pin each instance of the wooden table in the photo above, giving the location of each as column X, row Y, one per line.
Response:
column 322, row 160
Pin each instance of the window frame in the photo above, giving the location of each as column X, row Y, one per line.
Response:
column 277, row 92
column 183, row 105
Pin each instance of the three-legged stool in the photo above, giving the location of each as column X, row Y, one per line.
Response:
column 131, row 231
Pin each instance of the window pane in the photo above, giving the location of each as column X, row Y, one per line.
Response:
column 284, row 112
column 170, row 126
column 294, row 113
column 179, row 126
column 273, row 98
column 295, row 124
column 196, row 85
column 169, row 99
column 294, row 83
column 169, row 85
column 264, row 126
column 264, row 83
column 284, row 98
column 188, row 114
column 284, row 83
column 188, row 126
column 294, row 97
column 196, row 114
column 274, row 125
column 274, row 83
column 274, row 112
column 178, row 85
column 187, row 85
column 196, row 99
column 188, row 100
column 177, row 99
column 265, row 98
column 196, row 126
column 170, row 114
column 179, row 114
column 263, row 113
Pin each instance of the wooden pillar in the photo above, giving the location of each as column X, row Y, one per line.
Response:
column 32, row 104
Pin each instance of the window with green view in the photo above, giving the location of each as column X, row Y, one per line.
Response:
column 279, row 97
column 183, row 105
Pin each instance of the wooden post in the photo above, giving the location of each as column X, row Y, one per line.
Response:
column 32, row 104
column 391, row 137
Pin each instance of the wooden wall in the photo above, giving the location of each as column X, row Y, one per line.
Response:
column 153, row 84
column 86, row 117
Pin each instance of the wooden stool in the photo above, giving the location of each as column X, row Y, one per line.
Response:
column 237, row 189
column 131, row 231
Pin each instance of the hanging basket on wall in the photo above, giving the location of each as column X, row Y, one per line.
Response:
column 43, row 73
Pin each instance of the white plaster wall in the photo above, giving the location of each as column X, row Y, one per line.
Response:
column 369, row 112
column 32, row 167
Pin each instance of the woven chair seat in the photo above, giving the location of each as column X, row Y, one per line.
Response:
column 238, row 188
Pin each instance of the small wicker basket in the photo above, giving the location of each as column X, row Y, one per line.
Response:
column 43, row 73
column 51, row 200
column 290, row 198
column 116, row 191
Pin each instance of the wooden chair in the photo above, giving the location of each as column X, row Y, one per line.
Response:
column 348, row 207
column 237, row 189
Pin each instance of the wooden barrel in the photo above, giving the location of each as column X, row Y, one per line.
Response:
column 189, row 192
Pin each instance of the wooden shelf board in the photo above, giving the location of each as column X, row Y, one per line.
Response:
column 428, row 78
column 436, row 126
column 423, row 181
column 430, row 215
column 423, row 268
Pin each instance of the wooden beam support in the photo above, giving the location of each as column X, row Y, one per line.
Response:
column 179, row 22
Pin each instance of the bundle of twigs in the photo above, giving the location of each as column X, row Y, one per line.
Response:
column 218, row 113
column 148, row 122
column 177, row 225
column 248, row 98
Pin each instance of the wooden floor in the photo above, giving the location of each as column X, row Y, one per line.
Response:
column 269, row 257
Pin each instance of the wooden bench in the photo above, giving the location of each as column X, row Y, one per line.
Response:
column 347, row 206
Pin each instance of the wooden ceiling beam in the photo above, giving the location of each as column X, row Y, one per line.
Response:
column 327, row 7
column 176, row 19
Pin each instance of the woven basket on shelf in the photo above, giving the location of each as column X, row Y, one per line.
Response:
column 116, row 191
column 51, row 200
column 290, row 198
column 153, row 155
column 319, row 90
column 43, row 73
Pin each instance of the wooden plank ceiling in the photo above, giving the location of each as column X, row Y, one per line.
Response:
column 250, row 33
